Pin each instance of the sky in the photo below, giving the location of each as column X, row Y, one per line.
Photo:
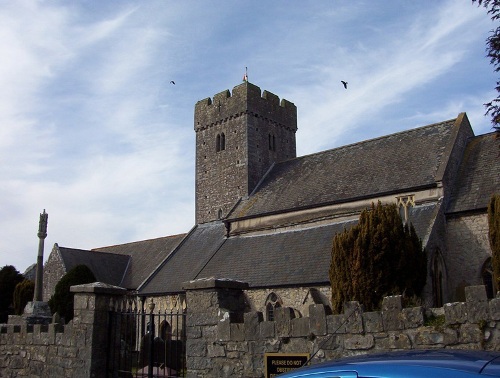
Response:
column 93, row 131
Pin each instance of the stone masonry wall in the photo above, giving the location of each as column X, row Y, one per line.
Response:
column 223, row 341
column 468, row 249
column 77, row 349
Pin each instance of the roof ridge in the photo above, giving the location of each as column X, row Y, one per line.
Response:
column 137, row 242
column 371, row 140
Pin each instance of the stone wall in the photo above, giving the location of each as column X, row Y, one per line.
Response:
column 468, row 249
column 77, row 349
column 224, row 341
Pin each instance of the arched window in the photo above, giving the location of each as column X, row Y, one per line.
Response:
column 487, row 276
column 219, row 214
column 217, row 143
column 273, row 301
column 404, row 204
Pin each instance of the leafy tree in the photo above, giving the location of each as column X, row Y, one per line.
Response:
column 493, row 52
column 23, row 293
column 379, row 256
column 9, row 278
column 494, row 235
column 62, row 301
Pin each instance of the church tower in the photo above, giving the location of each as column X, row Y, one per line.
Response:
column 239, row 136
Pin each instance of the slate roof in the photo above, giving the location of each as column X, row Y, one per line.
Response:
column 281, row 258
column 367, row 169
column 478, row 176
column 144, row 257
column 187, row 260
column 108, row 268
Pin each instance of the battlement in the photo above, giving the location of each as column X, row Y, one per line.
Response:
column 246, row 98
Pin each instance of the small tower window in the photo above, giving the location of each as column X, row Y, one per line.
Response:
column 219, row 214
column 220, row 142
column 272, row 142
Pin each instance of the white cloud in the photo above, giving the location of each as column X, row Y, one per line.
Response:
column 91, row 129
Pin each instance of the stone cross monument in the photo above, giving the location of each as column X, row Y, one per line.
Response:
column 37, row 311
column 42, row 234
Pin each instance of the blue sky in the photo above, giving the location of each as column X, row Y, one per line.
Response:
column 92, row 130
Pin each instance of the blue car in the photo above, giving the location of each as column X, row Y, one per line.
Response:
column 414, row 363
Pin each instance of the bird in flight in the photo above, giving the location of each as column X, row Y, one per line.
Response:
column 345, row 83
column 172, row 82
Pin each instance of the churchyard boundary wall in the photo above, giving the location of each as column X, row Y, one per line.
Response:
column 225, row 340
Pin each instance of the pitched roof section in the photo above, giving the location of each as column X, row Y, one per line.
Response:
column 287, row 258
column 479, row 175
column 367, row 169
column 145, row 257
column 108, row 268
column 187, row 260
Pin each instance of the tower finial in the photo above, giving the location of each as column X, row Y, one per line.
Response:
column 245, row 76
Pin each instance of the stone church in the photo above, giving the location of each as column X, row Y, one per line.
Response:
column 267, row 217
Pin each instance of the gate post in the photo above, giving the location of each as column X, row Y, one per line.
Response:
column 91, row 311
column 209, row 301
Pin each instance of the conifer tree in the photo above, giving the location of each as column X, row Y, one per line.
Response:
column 9, row 278
column 63, row 299
column 23, row 293
column 494, row 236
column 379, row 256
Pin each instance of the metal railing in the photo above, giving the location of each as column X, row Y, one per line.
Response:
column 145, row 343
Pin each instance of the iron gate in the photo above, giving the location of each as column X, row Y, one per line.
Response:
column 147, row 343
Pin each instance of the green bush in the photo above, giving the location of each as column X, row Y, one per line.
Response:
column 379, row 256
column 23, row 293
column 9, row 278
column 62, row 300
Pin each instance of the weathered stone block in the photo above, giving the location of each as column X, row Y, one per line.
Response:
column 300, row 327
column 353, row 317
column 359, row 342
column 393, row 302
column 495, row 308
column 373, row 321
column 412, row 317
column 398, row 340
column 193, row 332
column 455, row 313
column 317, row 319
column 202, row 318
column 215, row 350
column 224, row 330
column 392, row 320
column 470, row 333
column 196, row 348
column 237, row 331
column 428, row 336
column 252, row 321
column 335, row 324
column 476, row 294
column 283, row 317
column 267, row 330
column 477, row 311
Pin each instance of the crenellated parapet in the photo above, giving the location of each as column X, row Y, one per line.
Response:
column 235, row 338
column 246, row 98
